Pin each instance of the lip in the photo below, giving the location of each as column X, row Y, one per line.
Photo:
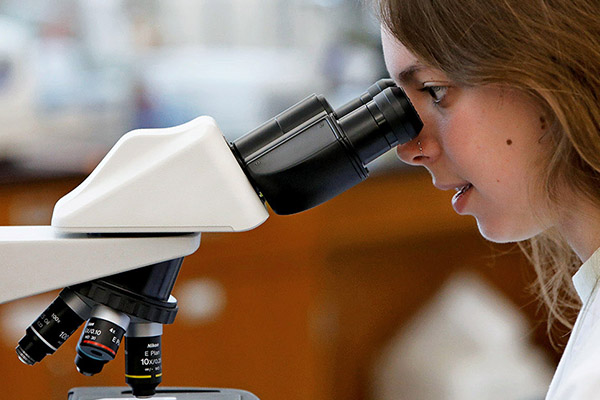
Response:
column 460, row 199
column 450, row 186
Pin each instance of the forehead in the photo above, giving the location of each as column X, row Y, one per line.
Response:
column 396, row 55
column 403, row 66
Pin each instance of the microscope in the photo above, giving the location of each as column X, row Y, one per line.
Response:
column 116, row 242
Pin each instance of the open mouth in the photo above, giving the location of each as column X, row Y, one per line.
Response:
column 460, row 193
column 463, row 189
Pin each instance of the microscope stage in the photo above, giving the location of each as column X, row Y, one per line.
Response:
column 164, row 393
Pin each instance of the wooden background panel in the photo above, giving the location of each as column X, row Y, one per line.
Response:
column 261, row 341
column 308, row 299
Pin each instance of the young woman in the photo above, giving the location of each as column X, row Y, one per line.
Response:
column 509, row 92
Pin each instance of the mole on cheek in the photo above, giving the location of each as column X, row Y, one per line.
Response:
column 509, row 142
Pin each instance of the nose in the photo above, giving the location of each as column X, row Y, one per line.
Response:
column 413, row 152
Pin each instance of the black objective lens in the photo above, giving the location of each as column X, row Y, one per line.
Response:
column 310, row 153
column 143, row 358
column 100, row 340
column 53, row 327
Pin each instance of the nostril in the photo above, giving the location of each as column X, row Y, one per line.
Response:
column 411, row 153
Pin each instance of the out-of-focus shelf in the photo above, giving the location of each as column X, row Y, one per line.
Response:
column 14, row 172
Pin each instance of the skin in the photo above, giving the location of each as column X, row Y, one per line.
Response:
column 465, row 140
column 491, row 137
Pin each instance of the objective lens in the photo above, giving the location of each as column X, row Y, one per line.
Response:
column 100, row 340
column 143, row 358
column 53, row 327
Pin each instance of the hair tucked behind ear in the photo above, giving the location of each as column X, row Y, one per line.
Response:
column 549, row 50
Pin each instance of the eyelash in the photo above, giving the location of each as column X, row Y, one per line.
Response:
column 434, row 91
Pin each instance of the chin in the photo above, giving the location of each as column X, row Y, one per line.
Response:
column 504, row 233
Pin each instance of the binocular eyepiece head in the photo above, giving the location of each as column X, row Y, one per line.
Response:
column 310, row 153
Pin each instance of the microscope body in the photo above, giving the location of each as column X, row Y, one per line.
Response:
column 125, row 230
column 117, row 242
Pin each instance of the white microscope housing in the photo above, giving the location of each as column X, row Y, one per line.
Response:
column 168, row 184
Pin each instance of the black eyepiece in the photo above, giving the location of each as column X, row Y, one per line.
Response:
column 310, row 153
column 364, row 98
column 381, row 124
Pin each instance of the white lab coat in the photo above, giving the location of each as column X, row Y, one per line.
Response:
column 578, row 374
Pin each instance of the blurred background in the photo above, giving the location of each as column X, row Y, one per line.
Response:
column 382, row 293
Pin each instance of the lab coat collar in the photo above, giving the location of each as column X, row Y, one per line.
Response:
column 586, row 278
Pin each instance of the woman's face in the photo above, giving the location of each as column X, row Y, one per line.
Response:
column 483, row 142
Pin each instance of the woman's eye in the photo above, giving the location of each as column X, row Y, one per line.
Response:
column 437, row 93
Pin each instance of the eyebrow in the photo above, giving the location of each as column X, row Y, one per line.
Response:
column 408, row 74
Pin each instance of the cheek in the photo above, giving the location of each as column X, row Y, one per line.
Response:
column 491, row 136
column 479, row 153
column 458, row 135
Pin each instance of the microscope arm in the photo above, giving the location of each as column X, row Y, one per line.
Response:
column 39, row 258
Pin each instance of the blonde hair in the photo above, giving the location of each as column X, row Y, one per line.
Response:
column 547, row 49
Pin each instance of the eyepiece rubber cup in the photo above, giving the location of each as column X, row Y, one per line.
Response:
column 399, row 113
